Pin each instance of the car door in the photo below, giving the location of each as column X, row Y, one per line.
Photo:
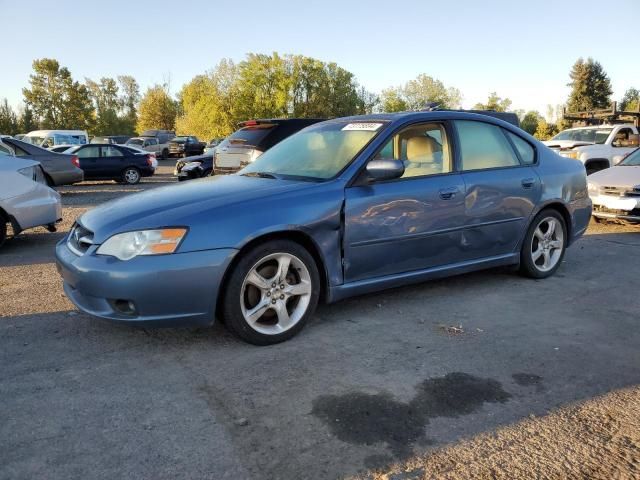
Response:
column 502, row 188
column 112, row 162
column 89, row 157
column 410, row 223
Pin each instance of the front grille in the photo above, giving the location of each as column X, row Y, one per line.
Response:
column 79, row 239
column 620, row 191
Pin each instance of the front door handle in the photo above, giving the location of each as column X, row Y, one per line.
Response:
column 448, row 193
column 528, row 182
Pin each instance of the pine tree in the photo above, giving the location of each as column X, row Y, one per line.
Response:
column 590, row 86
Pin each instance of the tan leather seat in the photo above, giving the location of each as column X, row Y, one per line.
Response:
column 421, row 149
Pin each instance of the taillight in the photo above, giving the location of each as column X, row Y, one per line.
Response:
column 149, row 161
column 76, row 161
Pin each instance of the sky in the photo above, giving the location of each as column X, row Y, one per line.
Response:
column 521, row 50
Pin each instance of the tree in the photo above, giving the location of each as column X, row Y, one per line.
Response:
column 494, row 102
column 107, row 104
column 27, row 122
column 157, row 110
column 129, row 99
column 545, row 130
column 57, row 101
column 590, row 86
column 391, row 100
column 529, row 122
column 8, row 119
column 630, row 101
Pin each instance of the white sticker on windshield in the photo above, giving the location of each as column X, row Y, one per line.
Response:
column 370, row 127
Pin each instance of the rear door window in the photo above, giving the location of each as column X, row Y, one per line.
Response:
column 251, row 136
column 88, row 152
column 525, row 150
column 111, row 152
column 483, row 146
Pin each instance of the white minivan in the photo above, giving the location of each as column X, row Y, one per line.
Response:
column 52, row 138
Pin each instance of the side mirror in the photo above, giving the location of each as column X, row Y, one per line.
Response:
column 385, row 169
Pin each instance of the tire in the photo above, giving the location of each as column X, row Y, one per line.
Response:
column 542, row 253
column 283, row 303
column 3, row 229
column 598, row 219
column 49, row 181
column 165, row 154
column 131, row 176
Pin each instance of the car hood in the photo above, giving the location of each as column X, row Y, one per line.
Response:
column 174, row 205
column 619, row 176
column 562, row 144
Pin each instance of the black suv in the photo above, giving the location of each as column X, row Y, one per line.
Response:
column 253, row 139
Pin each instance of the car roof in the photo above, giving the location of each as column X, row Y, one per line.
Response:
column 11, row 163
column 402, row 117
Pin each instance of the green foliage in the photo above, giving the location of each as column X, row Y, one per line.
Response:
column 27, row 122
column 268, row 86
column 157, row 110
column 630, row 101
column 529, row 122
column 115, row 112
column 590, row 86
column 129, row 99
column 545, row 130
column 494, row 102
column 417, row 93
column 9, row 124
column 57, row 101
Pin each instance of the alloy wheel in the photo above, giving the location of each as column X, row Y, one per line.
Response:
column 275, row 293
column 131, row 176
column 547, row 244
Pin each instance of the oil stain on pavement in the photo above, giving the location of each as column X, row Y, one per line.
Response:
column 365, row 419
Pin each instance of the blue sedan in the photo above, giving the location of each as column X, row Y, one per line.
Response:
column 114, row 162
column 344, row 207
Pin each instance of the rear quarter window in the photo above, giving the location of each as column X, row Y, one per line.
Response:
column 525, row 150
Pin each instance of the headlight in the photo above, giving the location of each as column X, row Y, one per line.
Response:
column 592, row 187
column 125, row 246
column 191, row 165
column 570, row 154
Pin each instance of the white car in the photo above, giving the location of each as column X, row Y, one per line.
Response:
column 615, row 192
column 25, row 199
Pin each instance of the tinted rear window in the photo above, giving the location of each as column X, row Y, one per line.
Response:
column 251, row 136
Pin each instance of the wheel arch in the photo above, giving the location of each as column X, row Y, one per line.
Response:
column 298, row 236
column 597, row 161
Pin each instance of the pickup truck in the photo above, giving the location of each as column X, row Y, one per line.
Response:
column 597, row 147
column 185, row 146
column 150, row 144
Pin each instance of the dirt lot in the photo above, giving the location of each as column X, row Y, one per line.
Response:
column 487, row 375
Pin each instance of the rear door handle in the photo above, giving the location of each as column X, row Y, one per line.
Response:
column 448, row 193
column 528, row 182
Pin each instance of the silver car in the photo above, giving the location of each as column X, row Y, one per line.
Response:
column 615, row 192
column 25, row 199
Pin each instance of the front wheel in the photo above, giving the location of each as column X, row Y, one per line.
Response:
column 271, row 293
column 544, row 245
column 131, row 176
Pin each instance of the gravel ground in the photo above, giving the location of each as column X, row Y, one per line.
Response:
column 435, row 380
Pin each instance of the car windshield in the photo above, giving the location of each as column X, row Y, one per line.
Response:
column 135, row 141
column 33, row 140
column 591, row 135
column 632, row 160
column 318, row 152
column 179, row 139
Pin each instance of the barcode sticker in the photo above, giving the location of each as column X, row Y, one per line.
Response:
column 370, row 127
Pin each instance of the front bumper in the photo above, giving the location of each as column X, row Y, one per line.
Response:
column 616, row 207
column 175, row 290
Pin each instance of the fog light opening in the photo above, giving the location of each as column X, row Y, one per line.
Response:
column 125, row 307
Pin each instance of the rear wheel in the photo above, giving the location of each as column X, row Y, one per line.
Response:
column 131, row 176
column 3, row 229
column 271, row 293
column 544, row 245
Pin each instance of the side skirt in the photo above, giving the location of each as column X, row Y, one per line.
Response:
column 360, row 287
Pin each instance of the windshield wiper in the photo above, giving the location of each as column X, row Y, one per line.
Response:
column 259, row 174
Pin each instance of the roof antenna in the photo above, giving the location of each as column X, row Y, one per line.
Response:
column 431, row 107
